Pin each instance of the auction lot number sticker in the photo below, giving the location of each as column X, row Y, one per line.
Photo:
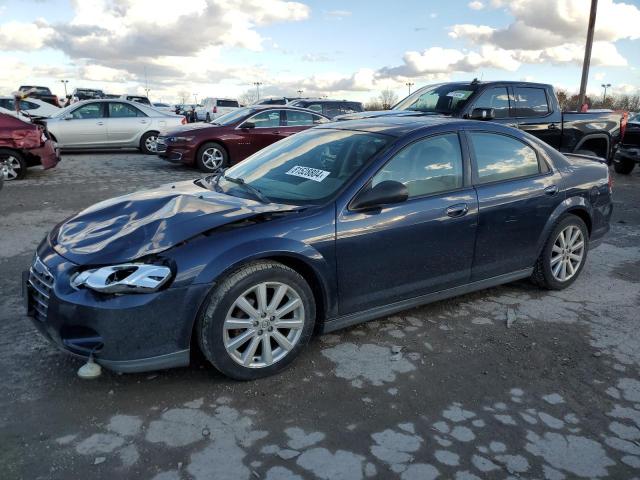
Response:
column 309, row 173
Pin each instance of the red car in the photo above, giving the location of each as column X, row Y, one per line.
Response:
column 231, row 138
column 23, row 145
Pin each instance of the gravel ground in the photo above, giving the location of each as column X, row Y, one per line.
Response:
column 445, row 390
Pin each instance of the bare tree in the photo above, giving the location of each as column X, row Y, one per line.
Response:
column 388, row 98
column 373, row 104
column 184, row 95
column 248, row 97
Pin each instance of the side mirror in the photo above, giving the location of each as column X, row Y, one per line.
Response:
column 68, row 116
column 248, row 125
column 482, row 114
column 384, row 193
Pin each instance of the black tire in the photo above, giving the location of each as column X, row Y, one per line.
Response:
column 145, row 144
column 13, row 166
column 208, row 164
column 623, row 166
column 210, row 325
column 542, row 272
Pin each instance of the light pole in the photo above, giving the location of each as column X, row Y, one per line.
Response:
column 257, row 84
column 587, row 53
column 300, row 92
column 409, row 84
column 195, row 97
column 604, row 95
column 64, row 82
column 146, row 91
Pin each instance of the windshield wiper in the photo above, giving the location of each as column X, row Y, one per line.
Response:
column 253, row 190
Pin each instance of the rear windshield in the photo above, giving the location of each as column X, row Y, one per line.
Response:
column 446, row 99
column 40, row 90
column 228, row 103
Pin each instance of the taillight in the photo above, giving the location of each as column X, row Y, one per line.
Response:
column 183, row 121
column 215, row 109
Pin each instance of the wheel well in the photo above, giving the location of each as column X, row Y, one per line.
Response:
column 599, row 146
column 584, row 216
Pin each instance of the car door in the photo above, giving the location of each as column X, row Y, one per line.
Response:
column 419, row 246
column 296, row 121
column 266, row 129
column 125, row 124
column 517, row 192
column 534, row 114
column 83, row 127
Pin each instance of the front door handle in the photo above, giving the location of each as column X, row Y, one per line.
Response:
column 459, row 210
column 143, row 121
column 276, row 132
column 551, row 190
column 99, row 123
column 552, row 126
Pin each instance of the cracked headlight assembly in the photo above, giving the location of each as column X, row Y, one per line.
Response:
column 125, row 278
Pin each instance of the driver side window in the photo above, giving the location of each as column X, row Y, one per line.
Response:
column 426, row 167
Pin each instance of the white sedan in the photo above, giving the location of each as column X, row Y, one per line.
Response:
column 32, row 106
column 110, row 123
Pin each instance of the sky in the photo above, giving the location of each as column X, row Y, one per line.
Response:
column 350, row 49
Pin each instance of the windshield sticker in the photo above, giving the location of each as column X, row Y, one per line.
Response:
column 309, row 173
column 461, row 95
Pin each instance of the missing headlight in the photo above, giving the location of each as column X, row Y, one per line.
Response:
column 125, row 278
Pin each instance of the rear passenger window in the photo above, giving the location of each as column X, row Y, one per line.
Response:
column 428, row 166
column 499, row 157
column 531, row 102
column 227, row 103
column 496, row 98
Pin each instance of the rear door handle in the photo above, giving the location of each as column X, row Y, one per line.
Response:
column 143, row 121
column 551, row 190
column 552, row 126
column 100, row 123
column 458, row 210
column 276, row 132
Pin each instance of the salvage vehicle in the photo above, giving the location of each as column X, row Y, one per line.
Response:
column 33, row 106
column 531, row 107
column 41, row 93
column 333, row 226
column 137, row 98
column 22, row 145
column 234, row 136
column 80, row 94
column 628, row 154
column 330, row 108
column 93, row 124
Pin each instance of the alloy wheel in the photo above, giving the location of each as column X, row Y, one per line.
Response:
column 567, row 253
column 264, row 324
column 151, row 143
column 212, row 158
column 9, row 167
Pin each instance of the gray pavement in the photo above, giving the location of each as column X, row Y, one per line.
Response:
column 443, row 391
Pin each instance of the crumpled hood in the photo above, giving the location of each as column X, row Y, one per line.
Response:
column 125, row 228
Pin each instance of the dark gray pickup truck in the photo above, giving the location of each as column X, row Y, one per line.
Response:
column 532, row 107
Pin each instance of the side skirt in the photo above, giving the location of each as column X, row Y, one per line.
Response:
column 338, row 323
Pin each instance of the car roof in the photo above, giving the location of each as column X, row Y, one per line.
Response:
column 324, row 100
column 398, row 126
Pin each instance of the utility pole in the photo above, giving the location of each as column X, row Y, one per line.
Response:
column 409, row 84
column 300, row 92
column 64, row 82
column 195, row 97
column 604, row 95
column 257, row 84
column 587, row 53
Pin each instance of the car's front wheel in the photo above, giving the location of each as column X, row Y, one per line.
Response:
column 257, row 320
column 564, row 254
column 212, row 157
column 12, row 165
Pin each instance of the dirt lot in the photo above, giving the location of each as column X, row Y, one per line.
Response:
column 556, row 395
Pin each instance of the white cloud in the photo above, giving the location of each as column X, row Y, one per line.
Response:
column 558, row 35
column 338, row 13
column 23, row 35
column 476, row 5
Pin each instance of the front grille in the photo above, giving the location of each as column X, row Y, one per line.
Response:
column 40, row 287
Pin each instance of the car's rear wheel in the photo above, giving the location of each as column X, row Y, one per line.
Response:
column 623, row 166
column 564, row 254
column 12, row 165
column 212, row 157
column 257, row 320
column 149, row 143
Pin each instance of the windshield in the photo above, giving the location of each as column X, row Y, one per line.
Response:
column 306, row 168
column 232, row 117
column 446, row 99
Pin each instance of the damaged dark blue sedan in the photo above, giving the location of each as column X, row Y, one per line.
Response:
column 331, row 227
